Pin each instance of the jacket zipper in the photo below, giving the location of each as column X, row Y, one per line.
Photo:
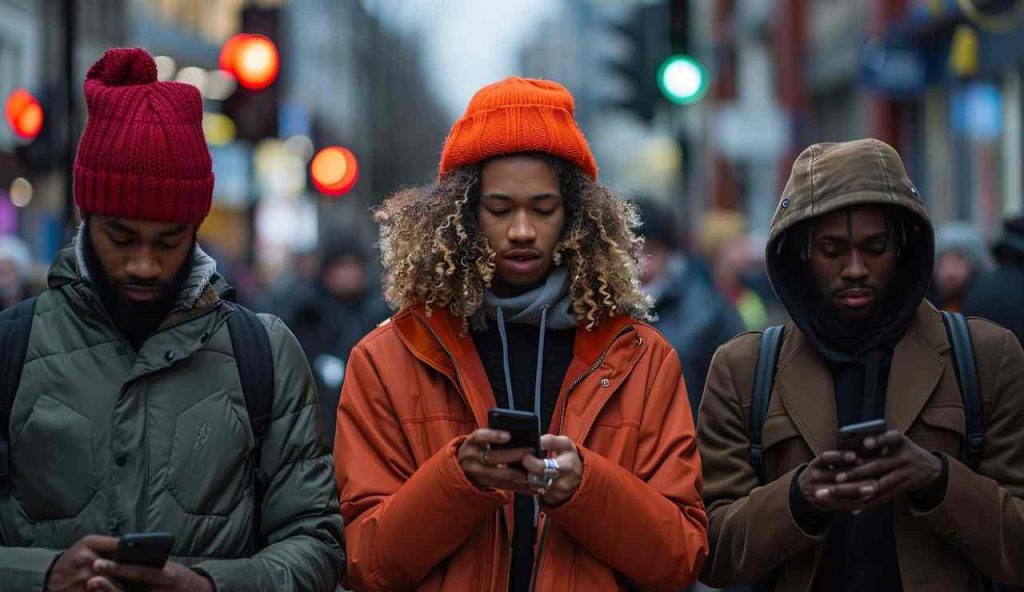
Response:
column 140, row 519
column 561, row 425
column 465, row 398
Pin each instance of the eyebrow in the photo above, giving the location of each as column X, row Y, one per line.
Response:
column 503, row 197
column 842, row 238
column 114, row 225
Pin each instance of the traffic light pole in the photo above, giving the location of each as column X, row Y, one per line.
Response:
column 69, row 117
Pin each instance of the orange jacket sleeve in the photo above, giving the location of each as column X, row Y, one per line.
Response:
column 401, row 520
column 655, row 514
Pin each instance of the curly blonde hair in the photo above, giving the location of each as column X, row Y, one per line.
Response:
column 435, row 254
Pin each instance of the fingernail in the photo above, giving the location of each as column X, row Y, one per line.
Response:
column 101, row 565
column 821, row 493
column 504, row 436
column 841, row 477
column 867, row 490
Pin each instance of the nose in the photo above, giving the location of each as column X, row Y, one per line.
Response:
column 855, row 268
column 142, row 266
column 521, row 230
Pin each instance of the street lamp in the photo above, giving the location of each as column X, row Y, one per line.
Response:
column 24, row 114
column 334, row 170
column 252, row 59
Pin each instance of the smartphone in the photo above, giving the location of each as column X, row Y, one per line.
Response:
column 851, row 437
column 521, row 425
column 150, row 549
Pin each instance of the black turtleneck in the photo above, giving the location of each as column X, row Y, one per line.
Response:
column 522, row 348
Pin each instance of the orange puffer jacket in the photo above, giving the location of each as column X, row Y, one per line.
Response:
column 415, row 388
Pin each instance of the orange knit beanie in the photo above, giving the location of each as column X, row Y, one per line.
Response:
column 518, row 115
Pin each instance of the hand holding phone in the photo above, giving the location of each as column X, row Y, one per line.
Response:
column 522, row 426
column 150, row 549
column 851, row 437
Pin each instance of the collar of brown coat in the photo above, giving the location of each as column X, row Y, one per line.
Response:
column 804, row 383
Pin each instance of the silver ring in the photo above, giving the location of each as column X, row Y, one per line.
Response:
column 548, row 481
column 483, row 455
column 538, row 480
column 551, row 467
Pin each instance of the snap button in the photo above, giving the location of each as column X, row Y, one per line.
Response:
column 169, row 355
column 605, row 383
column 120, row 350
column 121, row 460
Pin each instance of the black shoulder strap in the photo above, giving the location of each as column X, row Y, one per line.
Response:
column 15, row 330
column 967, row 375
column 255, row 362
column 764, row 379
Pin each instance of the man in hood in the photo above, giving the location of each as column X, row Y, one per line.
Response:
column 850, row 255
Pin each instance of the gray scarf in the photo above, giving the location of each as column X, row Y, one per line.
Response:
column 527, row 308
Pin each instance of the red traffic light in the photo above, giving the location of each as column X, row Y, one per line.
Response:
column 252, row 59
column 24, row 114
column 335, row 171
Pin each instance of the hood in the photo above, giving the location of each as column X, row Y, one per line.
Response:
column 836, row 176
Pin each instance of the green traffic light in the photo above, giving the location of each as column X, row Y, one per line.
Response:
column 682, row 79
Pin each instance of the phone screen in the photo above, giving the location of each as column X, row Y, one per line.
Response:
column 150, row 549
column 851, row 437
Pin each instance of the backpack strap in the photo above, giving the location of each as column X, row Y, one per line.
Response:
column 967, row 376
column 15, row 330
column 764, row 379
column 255, row 361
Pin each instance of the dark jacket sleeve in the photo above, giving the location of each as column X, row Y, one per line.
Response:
column 752, row 528
column 982, row 514
column 301, row 520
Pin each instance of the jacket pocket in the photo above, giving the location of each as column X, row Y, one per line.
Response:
column 783, row 447
column 55, row 472
column 945, row 429
column 209, row 457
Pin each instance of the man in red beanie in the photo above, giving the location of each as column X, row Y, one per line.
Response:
column 147, row 402
column 515, row 274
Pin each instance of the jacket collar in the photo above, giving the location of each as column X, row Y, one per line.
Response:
column 438, row 340
column 804, row 382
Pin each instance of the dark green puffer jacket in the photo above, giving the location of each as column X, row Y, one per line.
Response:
column 106, row 440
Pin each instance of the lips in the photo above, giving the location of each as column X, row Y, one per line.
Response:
column 521, row 261
column 856, row 297
column 140, row 293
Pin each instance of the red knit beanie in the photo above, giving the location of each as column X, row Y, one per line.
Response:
column 518, row 115
column 143, row 154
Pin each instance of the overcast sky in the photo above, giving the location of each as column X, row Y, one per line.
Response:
column 468, row 43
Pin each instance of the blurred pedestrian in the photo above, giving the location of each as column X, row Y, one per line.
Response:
column 999, row 296
column 332, row 313
column 907, row 507
column 517, row 285
column 139, row 407
column 15, row 271
column 689, row 311
column 722, row 240
column 961, row 257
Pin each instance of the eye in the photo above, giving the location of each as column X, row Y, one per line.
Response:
column 121, row 242
column 166, row 247
column 498, row 212
column 878, row 247
column 544, row 211
column 830, row 249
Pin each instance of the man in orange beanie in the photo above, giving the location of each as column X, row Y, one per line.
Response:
column 515, row 274
column 146, row 402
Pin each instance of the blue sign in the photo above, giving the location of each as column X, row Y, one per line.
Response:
column 892, row 70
